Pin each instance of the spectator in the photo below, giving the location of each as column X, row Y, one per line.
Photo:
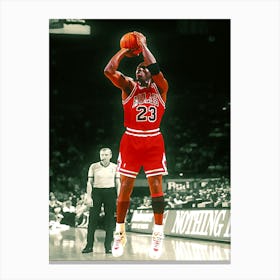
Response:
column 147, row 203
column 68, row 212
column 54, row 203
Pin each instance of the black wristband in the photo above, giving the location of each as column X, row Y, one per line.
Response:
column 153, row 68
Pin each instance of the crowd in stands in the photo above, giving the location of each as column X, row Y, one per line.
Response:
column 214, row 193
column 68, row 209
column 211, row 194
column 71, row 209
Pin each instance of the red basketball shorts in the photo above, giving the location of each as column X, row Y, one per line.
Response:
column 142, row 149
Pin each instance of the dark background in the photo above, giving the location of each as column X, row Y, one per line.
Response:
column 86, row 111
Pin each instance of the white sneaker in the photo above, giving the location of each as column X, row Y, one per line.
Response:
column 156, row 247
column 119, row 244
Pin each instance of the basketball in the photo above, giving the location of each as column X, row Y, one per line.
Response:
column 129, row 41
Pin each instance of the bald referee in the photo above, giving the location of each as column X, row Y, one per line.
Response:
column 102, row 188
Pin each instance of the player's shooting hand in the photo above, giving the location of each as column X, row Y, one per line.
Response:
column 141, row 39
column 125, row 50
column 129, row 52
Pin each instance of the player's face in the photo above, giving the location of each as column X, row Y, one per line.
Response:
column 142, row 74
column 105, row 156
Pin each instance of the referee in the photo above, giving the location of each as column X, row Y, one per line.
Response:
column 102, row 188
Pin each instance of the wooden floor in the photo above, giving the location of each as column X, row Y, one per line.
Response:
column 66, row 244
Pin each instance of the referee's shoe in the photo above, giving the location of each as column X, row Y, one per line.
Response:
column 87, row 250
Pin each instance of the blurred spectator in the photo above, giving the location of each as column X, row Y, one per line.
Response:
column 169, row 201
column 69, row 208
column 181, row 201
column 147, row 203
column 82, row 212
column 69, row 214
column 54, row 203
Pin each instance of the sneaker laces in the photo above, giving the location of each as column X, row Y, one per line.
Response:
column 117, row 240
column 157, row 238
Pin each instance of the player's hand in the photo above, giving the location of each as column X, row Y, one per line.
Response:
column 125, row 51
column 130, row 52
column 141, row 39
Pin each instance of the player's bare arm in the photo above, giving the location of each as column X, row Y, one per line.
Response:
column 121, row 81
column 149, row 59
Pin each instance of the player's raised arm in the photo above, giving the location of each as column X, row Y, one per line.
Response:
column 112, row 73
column 151, row 64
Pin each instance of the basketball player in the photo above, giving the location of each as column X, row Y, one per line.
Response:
column 102, row 188
column 142, row 143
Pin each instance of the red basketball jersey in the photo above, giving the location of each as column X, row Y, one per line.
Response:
column 143, row 108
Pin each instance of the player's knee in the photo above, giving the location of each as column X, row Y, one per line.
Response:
column 155, row 183
column 126, row 189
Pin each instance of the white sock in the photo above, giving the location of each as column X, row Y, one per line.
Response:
column 158, row 228
column 120, row 227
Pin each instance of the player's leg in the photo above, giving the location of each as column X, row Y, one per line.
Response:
column 123, row 201
column 155, row 168
column 129, row 164
column 155, row 184
column 126, row 189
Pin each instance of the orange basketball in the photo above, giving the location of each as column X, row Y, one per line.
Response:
column 129, row 41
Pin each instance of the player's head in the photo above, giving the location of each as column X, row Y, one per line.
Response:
column 105, row 155
column 143, row 74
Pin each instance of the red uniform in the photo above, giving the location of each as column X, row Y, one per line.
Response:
column 142, row 143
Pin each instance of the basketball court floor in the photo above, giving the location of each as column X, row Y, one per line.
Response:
column 66, row 244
